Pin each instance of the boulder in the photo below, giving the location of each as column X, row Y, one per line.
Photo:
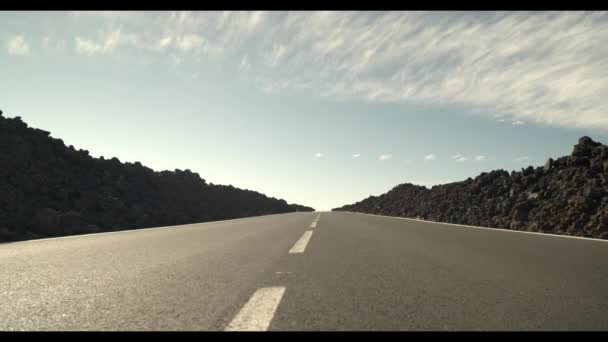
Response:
column 548, row 165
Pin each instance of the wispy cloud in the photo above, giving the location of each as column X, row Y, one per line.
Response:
column 277, row 53
column 86, row 46
column 162, row 43
column 430, row 157
column 517, row 123
column 480, row 158
column 522, row 159
column 319, row 155
column 115, row 15
column 245, row 65
column 18, row 46
column 189, row 42
column 356, row 155
column 459, row 158
column 547, row 67
column 107, row 42
column 384, row 157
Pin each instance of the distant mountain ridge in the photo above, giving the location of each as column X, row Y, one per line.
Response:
column 565, row 196
column 49, row 190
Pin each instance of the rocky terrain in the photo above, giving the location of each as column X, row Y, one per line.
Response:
column 48, row 189
column 568, row 195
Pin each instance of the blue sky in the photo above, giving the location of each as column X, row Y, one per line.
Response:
column 320, row 109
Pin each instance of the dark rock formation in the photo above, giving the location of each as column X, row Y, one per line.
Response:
column 566, row 196
column 48, row 189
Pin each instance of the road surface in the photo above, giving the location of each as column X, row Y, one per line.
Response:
column 305, row 271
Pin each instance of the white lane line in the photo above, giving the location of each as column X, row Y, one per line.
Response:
column 258, row 312
column 169, row 228
column 313, row 225
column 300, row 246
column 486, row 228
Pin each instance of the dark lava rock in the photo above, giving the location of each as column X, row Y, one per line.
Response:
column 568, row 195
column 48, row 189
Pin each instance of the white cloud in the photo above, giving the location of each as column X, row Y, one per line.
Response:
column 547, row 67
column 500, row 120
column 255, row 19
column 273, row 86
column 384, row 157
column 517, row 123
column 522, row 159
column 480, row 158
column 164, row 42
column 245, row 65
column 87, row 47
column 356, row 155
column 189, row 42
column 533, row 72
column 108, row 42
column 128, row 15
column 459, row 158
column 17, row 46
column 277, row 53
column 319, row 155
column 429, row 157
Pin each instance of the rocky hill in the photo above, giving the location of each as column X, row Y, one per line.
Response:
column 48, row 189
column 565, row 196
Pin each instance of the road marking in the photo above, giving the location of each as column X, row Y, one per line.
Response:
column 170, row 228
column 300, row 246
column 313, row 225
column 258, row 312
column 486, row 228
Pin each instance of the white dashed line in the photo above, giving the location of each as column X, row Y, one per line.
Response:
column 258, row 312
column 300, row 246
column 313, row 225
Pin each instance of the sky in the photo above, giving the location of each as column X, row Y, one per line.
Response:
column 318, row 108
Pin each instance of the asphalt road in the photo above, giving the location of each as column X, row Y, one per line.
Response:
column 306, row 271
